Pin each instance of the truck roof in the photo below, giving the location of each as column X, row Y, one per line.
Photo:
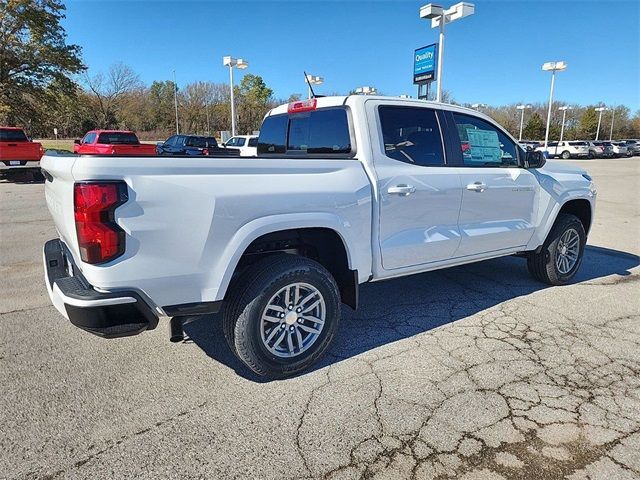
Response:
column 111, row 131
column 335, row 101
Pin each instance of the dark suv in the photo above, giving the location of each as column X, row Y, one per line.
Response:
column 188, row 145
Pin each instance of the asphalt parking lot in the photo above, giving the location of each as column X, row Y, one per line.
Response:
column 476, row 372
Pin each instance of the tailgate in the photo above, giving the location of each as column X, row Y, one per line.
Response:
column 19, row 151
column 58, row 191
column 141, row 149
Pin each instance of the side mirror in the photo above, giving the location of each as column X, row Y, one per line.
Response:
column 535, row 159
column 76, row 141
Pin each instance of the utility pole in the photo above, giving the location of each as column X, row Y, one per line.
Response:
column 175, row 100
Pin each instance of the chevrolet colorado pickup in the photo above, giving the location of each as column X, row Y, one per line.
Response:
column 112, row 142
column 344, row 190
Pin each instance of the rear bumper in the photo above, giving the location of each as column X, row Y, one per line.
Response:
column 108, row 315
column 18, row 164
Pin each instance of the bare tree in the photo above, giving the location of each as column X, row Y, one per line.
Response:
column 109, row 90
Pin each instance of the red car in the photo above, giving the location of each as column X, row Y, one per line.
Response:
column 112, row 142
column 16, row 150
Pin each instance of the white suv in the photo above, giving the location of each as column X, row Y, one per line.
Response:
column 566, row 150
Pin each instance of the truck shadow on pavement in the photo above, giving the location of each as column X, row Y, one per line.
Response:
column 397, row 309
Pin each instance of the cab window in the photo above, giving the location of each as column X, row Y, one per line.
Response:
column 240, row 142
column 411, row 135
column 324, row 131
column 484, row 145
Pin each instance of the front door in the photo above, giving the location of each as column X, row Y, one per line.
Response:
column 499, row 197
column 419, row 196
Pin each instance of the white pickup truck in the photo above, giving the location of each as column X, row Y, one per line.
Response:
column 345, row 190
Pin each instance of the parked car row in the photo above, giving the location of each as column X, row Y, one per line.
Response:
column 585, row 148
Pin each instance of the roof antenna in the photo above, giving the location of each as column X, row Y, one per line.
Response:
column 306, row 79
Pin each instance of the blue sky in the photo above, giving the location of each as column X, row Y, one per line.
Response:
column 492, row 57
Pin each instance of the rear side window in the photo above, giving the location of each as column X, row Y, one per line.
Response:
column 253, row 142
column 118, row 138
column 323, row 131
column 484, row 145
column 578, row 144
column 10, row 135
column 411, row 135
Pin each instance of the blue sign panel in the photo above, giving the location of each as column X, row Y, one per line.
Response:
column 424, row 64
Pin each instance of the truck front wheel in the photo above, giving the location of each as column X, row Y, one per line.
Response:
column 561, row 254
column 281, row 315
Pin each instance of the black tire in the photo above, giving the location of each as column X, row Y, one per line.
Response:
column 591, row 155
column 249, row 295
column 542, row 266
column 566, row 155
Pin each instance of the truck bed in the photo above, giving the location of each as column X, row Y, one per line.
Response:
column 188, row 220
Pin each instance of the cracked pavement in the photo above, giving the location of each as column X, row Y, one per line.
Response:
column 476, row 372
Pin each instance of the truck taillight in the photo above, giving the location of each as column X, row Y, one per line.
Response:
column 302, row 106
column 205, row 151
column 99, row 237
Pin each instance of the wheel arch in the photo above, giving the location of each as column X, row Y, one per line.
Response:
column 581, row 208
column 322, row 238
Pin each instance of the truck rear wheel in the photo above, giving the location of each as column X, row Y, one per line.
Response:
column 282, row 314
column 566, row 155
column 561, row 254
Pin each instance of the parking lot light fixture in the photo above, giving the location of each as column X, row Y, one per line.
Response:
column 366, row 91
column 613, row 116
column 478, row 106
column 231, row 62
column 439, row 18
column 552, row 67
column 313, row 80
column 522, row 109
column 599, row 109
column 564, row 116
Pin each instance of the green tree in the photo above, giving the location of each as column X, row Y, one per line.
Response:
column 253, row 97
column 34, row 56
column 589, row 123
column 160, row 95
column 534, row 128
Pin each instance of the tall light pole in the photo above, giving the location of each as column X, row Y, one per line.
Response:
column 553, row 67
column 613, row 116
column 313, row 80
column 231, row 62
column 366, row 90
column 564, row 116
column 522, row 109
column 599, row 109
column 439, row 18
column 175, row 100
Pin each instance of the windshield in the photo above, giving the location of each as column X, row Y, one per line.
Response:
column 10, row 135
column 118, row 138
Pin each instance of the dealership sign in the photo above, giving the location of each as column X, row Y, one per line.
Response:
column 424, row 64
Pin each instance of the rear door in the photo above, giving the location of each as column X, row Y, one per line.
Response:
column 499, row 196
column 419, row 195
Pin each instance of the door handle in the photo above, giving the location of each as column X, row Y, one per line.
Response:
column 402, row 189
column 477, row 187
